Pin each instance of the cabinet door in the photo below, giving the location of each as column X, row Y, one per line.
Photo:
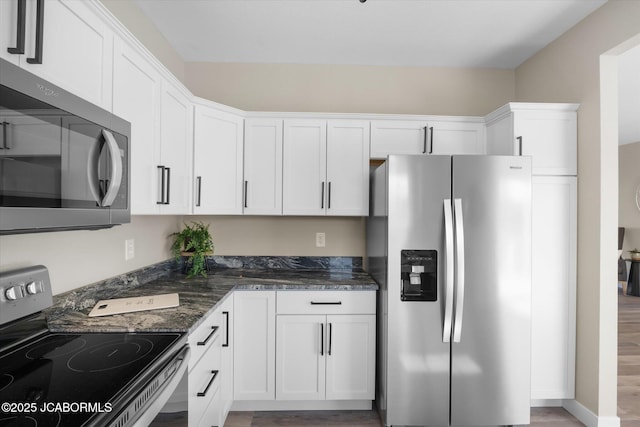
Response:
column 217, row 162
column 550, row 137
column 304, row 167
column 398, row 137
column 351, row 343
column 8, row 30
column 263, row 167
column 300, row 357
column 254, row 330
column 456, row 138
column 553, row 291
column 226, row 364
column 136, row 98
column 77, row 49
column 500, row 137
column 347, row 167
column 176, row 136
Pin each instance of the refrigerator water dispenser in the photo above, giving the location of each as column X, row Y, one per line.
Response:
column 419, row 275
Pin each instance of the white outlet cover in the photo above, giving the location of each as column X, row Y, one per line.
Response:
column 129, row 249
column 320, row 240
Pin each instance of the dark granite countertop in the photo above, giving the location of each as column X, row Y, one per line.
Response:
column 198, row 297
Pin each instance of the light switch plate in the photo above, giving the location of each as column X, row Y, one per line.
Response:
column 129, row 249
column 320, row 240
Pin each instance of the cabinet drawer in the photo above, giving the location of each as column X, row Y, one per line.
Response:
column 207, row 335
column 204, row 384
column 326, row 302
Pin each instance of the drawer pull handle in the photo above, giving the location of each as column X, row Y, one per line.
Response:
column 214, row 329
column 326, row 302
column 206, row 389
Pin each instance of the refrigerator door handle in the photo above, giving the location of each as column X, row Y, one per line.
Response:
column 449, row 264
column 459, row 226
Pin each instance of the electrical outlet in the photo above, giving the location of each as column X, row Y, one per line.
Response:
column 320, row 240
column 129, row 249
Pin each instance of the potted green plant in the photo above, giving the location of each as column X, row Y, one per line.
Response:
column 635, row 254
column 193, row 241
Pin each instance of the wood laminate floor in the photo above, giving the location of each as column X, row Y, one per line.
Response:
column 629, row 360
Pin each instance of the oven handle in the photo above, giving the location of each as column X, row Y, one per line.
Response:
column 149, row 413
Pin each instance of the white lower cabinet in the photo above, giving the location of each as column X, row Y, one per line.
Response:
column 255, row 343
column 553, row 291
column 325, row 345
column 322, row 357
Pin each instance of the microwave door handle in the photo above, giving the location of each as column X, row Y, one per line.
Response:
column 115, row 180
column 93, row 159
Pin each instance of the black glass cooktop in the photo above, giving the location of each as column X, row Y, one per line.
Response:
column 69, row 379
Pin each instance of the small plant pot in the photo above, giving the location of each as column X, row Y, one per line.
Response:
column 635, row 256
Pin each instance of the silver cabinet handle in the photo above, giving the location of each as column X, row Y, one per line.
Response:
column 449, row 262
column 115, row 180
column 457, row 323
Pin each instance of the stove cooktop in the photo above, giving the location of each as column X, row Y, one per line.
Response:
column 73, row 379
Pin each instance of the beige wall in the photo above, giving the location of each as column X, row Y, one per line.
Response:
column 143, row 29
column 629, row 180
column 568, row 70
column 78, row 258
column 352, row 89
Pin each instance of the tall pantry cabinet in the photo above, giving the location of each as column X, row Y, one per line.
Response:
column 547, row 133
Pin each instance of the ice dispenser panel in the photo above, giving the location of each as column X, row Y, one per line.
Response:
column 419, row 275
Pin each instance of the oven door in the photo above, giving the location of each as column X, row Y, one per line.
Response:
column 151, row 398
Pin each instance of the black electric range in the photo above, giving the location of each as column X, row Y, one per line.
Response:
column 89, row 379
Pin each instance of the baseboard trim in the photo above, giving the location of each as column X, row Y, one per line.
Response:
column 547, row 403
column 300, row 405
column 587, row 417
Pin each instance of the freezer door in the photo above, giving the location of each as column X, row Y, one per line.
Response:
column 417, row 374
column 490, row 365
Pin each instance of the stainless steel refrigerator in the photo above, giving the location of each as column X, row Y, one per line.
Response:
column 449, row 242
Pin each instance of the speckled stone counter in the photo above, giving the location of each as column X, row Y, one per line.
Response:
column 200, row 296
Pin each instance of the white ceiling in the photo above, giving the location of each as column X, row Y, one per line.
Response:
column 435, row 33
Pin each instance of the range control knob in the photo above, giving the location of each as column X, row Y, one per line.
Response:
column 34, row 287
column 13, row 293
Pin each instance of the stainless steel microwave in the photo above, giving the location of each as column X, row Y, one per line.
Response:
column 64, row 162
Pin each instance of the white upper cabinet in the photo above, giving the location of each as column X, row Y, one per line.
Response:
column 176, row 151
column 398, row 137
column 547, row 132
column 325, row 167
column 456, row 137
column 217, row 162
column 136, row 98
column 347, row 167
column 75, row 49
column 263, row 167
column 436, row 136
column 161, row 134
column 304, row 167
